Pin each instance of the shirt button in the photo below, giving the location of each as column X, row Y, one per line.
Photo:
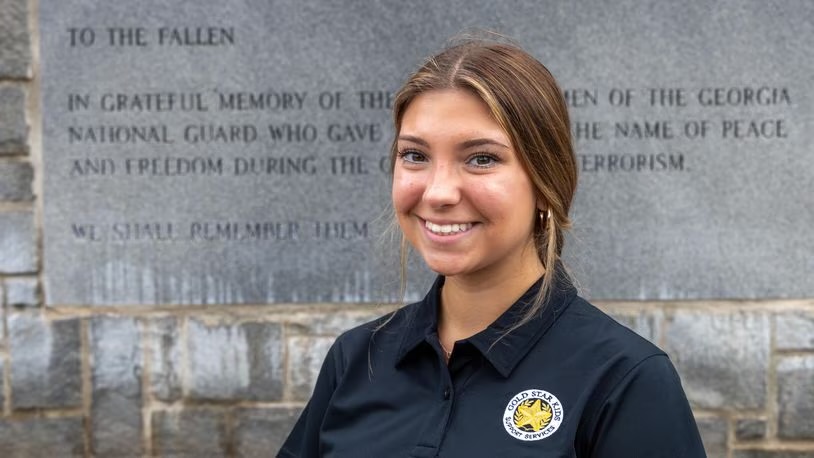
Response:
column 446, row 394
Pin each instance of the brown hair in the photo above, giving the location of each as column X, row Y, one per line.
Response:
column 526, row 101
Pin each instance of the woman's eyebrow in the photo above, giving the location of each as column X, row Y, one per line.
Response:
column 481, row 142
column 413, row 139
column 464, row 145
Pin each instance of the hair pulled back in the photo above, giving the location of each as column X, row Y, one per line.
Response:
column 527, row 103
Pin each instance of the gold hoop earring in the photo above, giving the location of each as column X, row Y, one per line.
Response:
column 545, row 217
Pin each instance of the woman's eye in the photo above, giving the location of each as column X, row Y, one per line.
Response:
column 412, row 156
column 483, row 160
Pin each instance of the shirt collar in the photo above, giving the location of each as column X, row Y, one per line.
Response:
column 503, row 350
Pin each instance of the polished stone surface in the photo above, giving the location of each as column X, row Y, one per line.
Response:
column 693, row 126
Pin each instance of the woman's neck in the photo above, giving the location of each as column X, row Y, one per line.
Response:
column 470, row 303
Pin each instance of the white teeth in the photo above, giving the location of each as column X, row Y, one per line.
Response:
column 447, row 229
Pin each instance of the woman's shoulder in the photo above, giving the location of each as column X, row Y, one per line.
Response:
column 631, row 382
column 387, row 329
column 600, row 334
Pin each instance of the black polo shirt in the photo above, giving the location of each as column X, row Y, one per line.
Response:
column 570, row 383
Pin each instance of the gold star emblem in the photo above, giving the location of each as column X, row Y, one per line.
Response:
column 533, row 414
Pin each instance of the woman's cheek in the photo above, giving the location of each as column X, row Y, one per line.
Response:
column 406, row 193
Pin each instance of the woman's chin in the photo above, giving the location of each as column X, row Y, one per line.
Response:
column 447, row 268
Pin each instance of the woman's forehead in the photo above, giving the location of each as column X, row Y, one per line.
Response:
column 450, row 113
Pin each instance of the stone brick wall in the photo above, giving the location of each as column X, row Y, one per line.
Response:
column 230, row 380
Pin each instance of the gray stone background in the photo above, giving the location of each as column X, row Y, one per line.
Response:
column 693, row 231
column 229, row 380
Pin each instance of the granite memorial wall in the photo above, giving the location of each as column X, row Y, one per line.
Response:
column 213, row 153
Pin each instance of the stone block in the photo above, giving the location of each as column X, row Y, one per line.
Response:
column 42, row 437
column 646, row 324
column 235, row 361
column 261, row 432
column 15, row 52
column 795, row 397
column 198, row 433
column 794, row 331
column 22, row 292
column 18, row 247
column 305, row 356
column 15, row 180
column 750, row 428
column 13, row 124
column 164, row 344
column 722, row 357
column 714, row 435
column 45, row 364
column 772, row 454
column 115, row 345
column 335, row 322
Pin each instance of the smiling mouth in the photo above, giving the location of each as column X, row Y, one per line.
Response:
column 447, row 229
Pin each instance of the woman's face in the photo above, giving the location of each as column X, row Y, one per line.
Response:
column 462, row 198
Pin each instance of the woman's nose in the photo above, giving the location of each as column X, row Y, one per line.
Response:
column 443, row 188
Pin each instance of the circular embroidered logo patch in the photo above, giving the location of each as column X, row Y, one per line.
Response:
column 532, row 415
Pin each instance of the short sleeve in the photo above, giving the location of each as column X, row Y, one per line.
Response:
column 303, row 441
column 646, row 414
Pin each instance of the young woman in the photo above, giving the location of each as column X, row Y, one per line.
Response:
column 501, row 358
